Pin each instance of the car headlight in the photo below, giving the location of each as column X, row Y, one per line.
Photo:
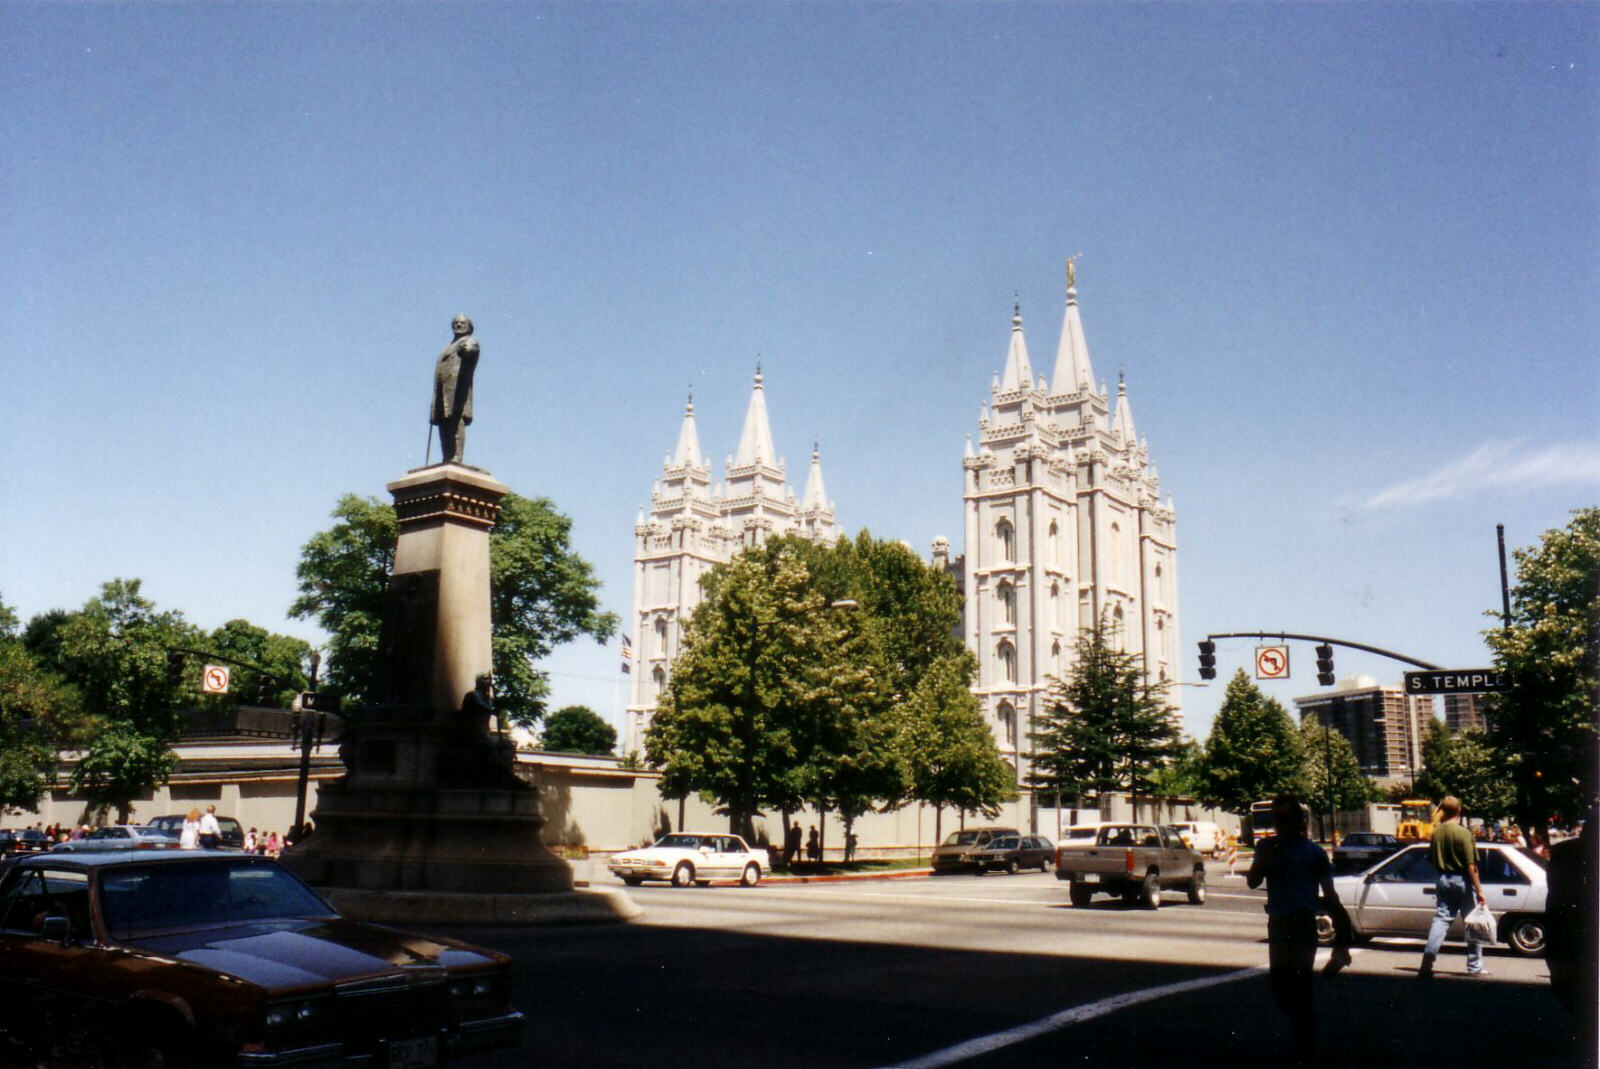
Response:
column 296, row 1013
column 471, row 986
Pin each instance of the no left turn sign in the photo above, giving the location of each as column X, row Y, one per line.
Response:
column 214, row 680
column 1272, row 662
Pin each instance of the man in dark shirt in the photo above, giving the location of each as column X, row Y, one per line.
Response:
column 1455, row 855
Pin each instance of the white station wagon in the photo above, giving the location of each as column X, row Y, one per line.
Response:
column 1396, row 896
column 689, row 857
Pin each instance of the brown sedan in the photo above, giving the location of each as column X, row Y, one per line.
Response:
column 187, row 958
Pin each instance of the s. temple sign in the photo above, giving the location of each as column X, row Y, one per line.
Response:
column 1457, row 681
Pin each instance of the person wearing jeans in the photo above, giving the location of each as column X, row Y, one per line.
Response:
column 1454, row 854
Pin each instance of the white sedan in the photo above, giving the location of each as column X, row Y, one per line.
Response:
column 689, row 857
column 1396, row 897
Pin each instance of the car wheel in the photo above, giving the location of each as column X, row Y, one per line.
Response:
column 154, row 1040
column 1079, row 893
column 1197, row 888
column 751, row 877
column 683, row 875
column 1524, row 934
column 1150, row 891
column 1326, row 931
column 1046, row 865
column 1011, row 867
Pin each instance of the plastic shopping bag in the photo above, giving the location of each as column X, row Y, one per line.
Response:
column 1480, row 924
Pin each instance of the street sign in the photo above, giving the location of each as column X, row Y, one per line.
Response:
column 1272, row 662
column 1458, row 681
column 313, row 701
column 214, row 679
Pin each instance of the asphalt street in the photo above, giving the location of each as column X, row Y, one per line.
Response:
column 990, row 971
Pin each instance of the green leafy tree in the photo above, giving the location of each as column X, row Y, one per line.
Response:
column 949, row 753
column 1325, row 750
column 1253, row 751
column 1465, row 765
column 1105, row 728
column 1185, row 776
column 578, row 729
column 1547, row 724
column 282, row 658
column 746, row 686
column 38, row 715
column 542, row 594
column 115, row 653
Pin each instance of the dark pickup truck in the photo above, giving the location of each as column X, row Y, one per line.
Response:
column 1135, row 862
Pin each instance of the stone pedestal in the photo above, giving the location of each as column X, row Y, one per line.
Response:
column 430, row 822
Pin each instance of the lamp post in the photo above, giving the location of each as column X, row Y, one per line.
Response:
column 305, row 724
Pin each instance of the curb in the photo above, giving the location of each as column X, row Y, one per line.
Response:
column 846, row 877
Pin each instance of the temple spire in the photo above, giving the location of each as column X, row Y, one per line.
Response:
column 755, row 442
column 816, row 496
column 1123, row 422
column 1073, row 370
column 1019, row 372
column 688, row 452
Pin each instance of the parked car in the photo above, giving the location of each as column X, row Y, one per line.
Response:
column 1014, row 853
column 1202, row 836
column 1396, row 896
column 204, row 958
column 955, row 854
column 119, row 837
column 232, row 832
column 27, row 841
column 1360, row 850
column 1135, row 861
column 689, row 857
column 8, row 842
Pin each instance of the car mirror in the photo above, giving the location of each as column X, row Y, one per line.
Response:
column 57, row 929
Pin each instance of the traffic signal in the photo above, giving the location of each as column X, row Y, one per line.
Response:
column 175, row 667
column 1208, row 659
column 1325, row 665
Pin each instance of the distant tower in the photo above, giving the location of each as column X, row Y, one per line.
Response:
column 1064, row 524
column 693, row 526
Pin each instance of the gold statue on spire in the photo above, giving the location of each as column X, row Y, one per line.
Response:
column 1072, row 270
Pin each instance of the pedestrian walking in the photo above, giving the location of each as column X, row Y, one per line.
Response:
column 210, row 830
column 1455, row 855
column 791, row 844
column 813, row 845
column 1295, row 869
column 189, row 834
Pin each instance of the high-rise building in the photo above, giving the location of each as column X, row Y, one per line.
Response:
column 1064, row 525
column 1384, row 725
column 1463, row 711
column 693, row 526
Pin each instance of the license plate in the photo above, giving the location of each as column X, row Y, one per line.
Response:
column 1090, row 877
column 420, row 1053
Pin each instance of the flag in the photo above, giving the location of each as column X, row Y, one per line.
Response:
column 627, row 655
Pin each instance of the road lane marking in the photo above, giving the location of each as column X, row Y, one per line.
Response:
column 973, row 1048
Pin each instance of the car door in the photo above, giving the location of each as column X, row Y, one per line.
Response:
column 1506, row 887
column 1398, row 897
column 48, row 985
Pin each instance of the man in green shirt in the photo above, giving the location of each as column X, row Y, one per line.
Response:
column 1455, row 855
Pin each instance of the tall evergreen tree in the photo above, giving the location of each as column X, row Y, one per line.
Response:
column 1105, row 728
column 1253, row 751
column 1325, row 750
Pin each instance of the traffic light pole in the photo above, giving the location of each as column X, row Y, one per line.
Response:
column 1286, row 635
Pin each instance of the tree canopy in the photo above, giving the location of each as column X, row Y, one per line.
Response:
column 829, row 676
column 578, row 729
column 1253, row 751
column 38, row 714
column 1547, row 724
column 1107, row 727
column 542, row 594
column 1325, row 750
column 1465, row 765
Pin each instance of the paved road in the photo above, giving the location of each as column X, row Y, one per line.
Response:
column 986, row 971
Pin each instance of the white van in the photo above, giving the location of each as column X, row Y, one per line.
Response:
column 1202, row 836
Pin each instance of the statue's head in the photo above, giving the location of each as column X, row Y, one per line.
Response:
column 461, row 325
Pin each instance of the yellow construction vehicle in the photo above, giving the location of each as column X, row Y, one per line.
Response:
column 1416, row 819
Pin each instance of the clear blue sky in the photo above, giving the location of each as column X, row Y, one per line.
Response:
column 1347, row 256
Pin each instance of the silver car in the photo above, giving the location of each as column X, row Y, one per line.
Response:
column 1395, row 897
column 119, row 837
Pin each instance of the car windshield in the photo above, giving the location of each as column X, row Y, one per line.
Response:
column 1081, row 833
column 148, row 897
column 962, row 838
column 684, row 842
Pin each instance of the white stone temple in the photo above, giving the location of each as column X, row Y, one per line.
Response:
column 692, row 526
column 1064, row 523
